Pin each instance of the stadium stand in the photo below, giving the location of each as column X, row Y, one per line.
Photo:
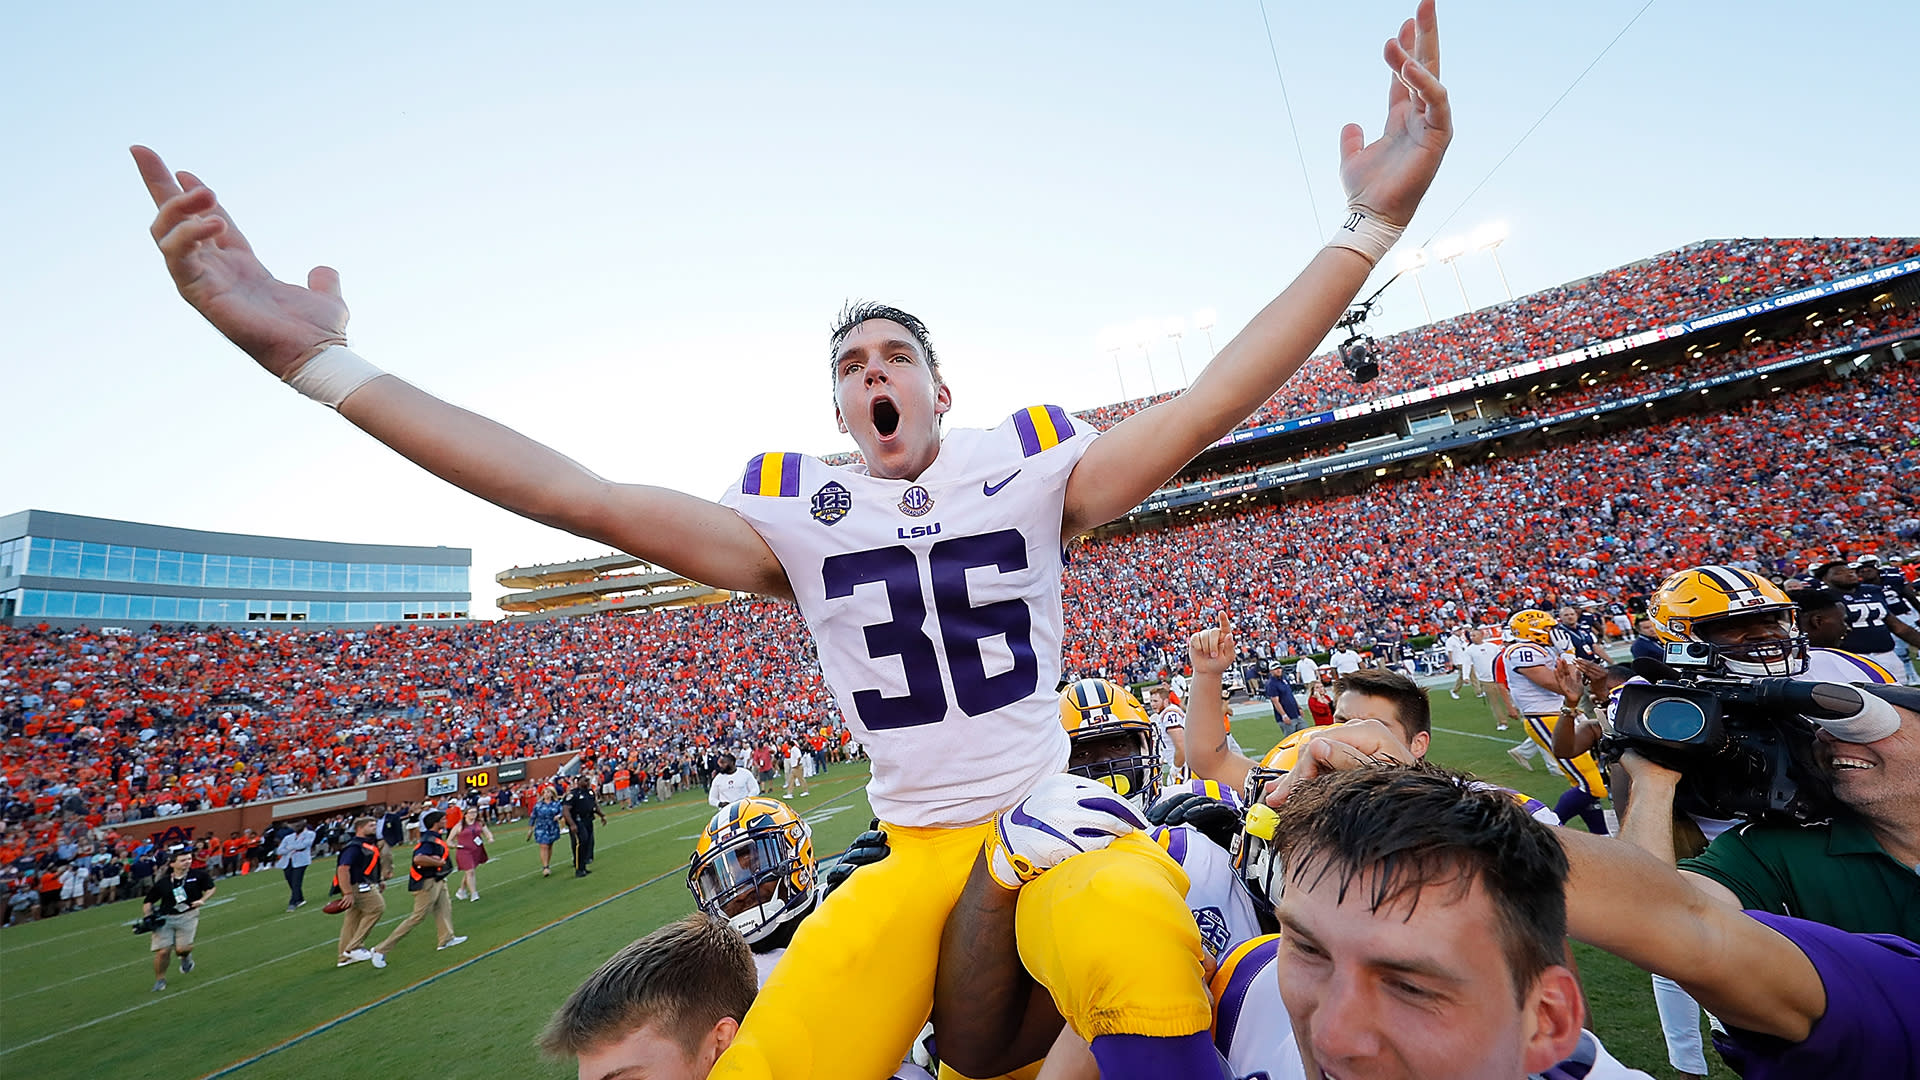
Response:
column 1681, row 284
column 101, row 727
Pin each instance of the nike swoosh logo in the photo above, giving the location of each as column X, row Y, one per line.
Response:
column 990, row 490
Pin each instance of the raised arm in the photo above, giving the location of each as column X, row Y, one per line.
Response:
column 1384, row 181
column 1208, row 754
column 283, row 326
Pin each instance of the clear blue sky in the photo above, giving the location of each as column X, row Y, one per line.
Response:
column 624, row 229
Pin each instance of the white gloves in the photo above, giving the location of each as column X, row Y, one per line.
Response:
column 1063, row 816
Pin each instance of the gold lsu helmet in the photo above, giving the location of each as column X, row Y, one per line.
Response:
column 1750, row 627
column 753, row 866
column 1114, row 741
column 1533, row 625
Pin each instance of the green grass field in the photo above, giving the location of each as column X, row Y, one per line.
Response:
column 266, row 1001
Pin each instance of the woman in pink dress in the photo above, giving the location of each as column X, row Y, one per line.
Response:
column 470, row 842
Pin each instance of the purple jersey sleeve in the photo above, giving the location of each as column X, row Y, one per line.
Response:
column 1872, row 1023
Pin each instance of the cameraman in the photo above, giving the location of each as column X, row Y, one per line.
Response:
column 1855, row 872
column 177, row 896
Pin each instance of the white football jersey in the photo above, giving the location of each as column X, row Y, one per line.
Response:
column 1528, row 696
column 1221, row 905
column 935, row 607
column 1168, row 718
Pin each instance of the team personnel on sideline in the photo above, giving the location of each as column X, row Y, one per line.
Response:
column 178, row 894
column 730, row 783
column 579, row 810
column 427, row 881
column 902, row 567
column 358, row 874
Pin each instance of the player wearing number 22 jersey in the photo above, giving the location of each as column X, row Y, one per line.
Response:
column 935, row 606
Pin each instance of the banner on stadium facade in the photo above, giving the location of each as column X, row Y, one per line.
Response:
column 445, row 783
column 510, row 773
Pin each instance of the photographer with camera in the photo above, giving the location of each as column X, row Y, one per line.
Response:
column 1832, row 823
column 171, row 912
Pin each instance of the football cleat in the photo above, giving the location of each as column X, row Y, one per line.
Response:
column 1063, row 816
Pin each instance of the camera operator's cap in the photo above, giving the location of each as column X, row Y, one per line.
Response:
column 1906, row 697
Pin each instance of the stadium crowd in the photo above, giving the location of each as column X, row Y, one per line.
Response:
column 104, row 728
column 1686, row 283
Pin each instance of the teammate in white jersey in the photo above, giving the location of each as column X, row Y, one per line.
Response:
column 1171, row 721
column 935, row 607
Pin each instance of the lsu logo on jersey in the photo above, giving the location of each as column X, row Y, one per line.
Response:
column 831, row 503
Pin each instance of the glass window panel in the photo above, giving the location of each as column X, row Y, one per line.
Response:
column 140, row 608
column 120, row 563
column 410, row 578
column 277, row 607
column 281, row 574
column 86, row 605
column 33, row 602
column 169, row 568
column 376, row 577
column 60, row 603
column 39, row 556
column 337, row 611
column 192, row 567
column 303, row 573
column 166, row 608
column 66, row 558
column 93, row 562
column 144, row 563
column 356, row 577
column 356, row 612
column 113, row 606
column 394, row 614
column 215, row 575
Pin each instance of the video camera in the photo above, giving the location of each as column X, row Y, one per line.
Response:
column 149, row 922
column 1744, row 747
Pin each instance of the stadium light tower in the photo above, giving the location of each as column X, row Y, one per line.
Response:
column 1488, row 238
column 1115, row 353
column 1412, row 262
column 1174, row 328
column 1146, row 357
column 1203, row 321
column 1449, row 251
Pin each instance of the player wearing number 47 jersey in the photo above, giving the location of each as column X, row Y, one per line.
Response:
column 935, row 607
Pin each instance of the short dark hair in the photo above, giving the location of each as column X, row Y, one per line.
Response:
column 1811, row 600
column 684, row 977
column 1423, row 825
column 858, row 311
column 1410, row 703
column 432, row 819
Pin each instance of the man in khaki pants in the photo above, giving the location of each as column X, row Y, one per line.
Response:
column 427, row 882
column 360, row 876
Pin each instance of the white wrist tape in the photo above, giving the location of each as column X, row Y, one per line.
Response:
column 333, row 376
column 1367, row 233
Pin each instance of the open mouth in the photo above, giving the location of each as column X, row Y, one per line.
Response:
column 1840, row 763
column 886, row 417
